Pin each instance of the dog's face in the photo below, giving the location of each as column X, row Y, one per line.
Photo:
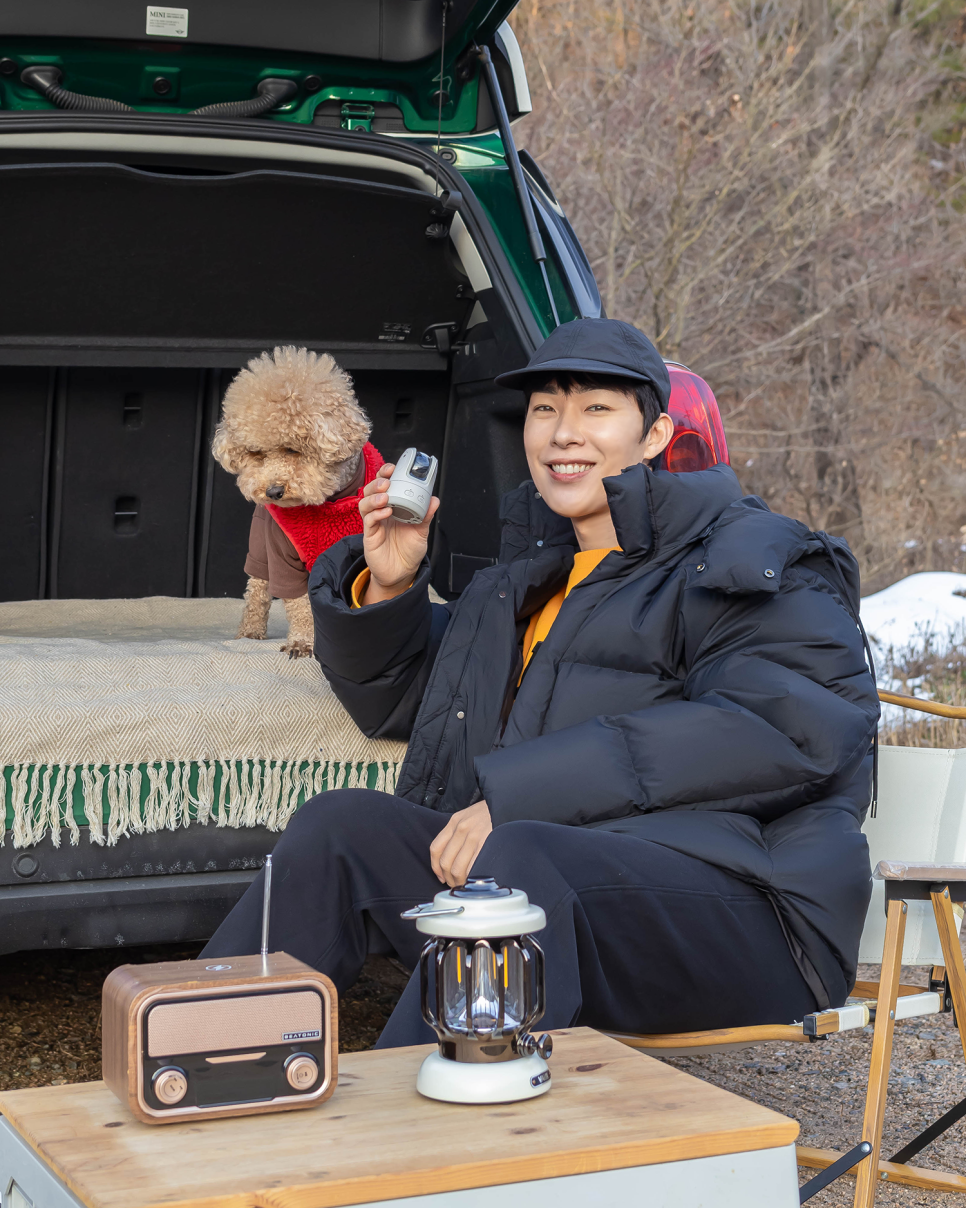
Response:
column 269, row 472
column 291, row 430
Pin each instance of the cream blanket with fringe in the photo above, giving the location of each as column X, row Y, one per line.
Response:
column 86, row 685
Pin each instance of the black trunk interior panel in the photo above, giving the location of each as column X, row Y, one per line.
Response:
column 25, row 398
column 107, row 252
column 127, row 448
column 396, row 31
column 114, row 493
column 486, row 459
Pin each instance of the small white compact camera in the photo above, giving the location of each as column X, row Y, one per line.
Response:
column 411, row 486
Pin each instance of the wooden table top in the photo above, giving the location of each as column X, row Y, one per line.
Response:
column 376, row 1138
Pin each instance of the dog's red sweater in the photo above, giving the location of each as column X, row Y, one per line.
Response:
column 312, row 528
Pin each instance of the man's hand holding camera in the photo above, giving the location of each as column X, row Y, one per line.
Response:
column 393, row 548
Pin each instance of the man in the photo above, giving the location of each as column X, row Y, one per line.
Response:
column 653, row 715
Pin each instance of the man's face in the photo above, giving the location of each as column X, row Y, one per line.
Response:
column 574, row 441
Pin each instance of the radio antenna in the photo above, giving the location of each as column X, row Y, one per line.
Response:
column 266, row 905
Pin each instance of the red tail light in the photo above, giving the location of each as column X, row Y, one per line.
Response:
column 699, row 440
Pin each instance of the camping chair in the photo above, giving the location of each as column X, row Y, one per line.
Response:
column 917, row 842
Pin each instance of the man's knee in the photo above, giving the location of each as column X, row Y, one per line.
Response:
column 515, row 852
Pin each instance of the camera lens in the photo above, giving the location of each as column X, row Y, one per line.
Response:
column 420, row 467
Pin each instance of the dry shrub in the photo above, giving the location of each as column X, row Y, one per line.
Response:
column 932, row 667
column 923, row 730
column 773, row 191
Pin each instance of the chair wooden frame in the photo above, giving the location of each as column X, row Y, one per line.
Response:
column 942, row 885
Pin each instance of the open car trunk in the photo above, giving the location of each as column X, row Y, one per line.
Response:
column 139, row 288
column 145, row 263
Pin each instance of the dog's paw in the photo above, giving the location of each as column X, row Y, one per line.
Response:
column 296, row 649
column 246, row 631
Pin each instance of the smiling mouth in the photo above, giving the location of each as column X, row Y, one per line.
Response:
column 569, row 471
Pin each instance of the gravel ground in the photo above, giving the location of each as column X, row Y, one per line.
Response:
column 50, row 1034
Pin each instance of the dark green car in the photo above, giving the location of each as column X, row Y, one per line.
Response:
column 180, row 189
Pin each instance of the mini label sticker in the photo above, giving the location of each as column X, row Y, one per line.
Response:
column 167, row 22
column 395, row 333
column 316, row 1035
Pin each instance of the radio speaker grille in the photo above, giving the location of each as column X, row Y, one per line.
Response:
column 205, row 1025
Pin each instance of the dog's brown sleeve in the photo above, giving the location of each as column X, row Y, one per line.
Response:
column 273, row 557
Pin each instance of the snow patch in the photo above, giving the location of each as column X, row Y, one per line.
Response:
column 918, row 609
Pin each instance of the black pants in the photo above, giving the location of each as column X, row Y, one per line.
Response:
column 638, row 937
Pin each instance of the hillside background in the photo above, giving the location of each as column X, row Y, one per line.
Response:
column 774, row 192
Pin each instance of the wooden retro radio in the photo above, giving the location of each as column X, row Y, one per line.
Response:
column 184, row 1040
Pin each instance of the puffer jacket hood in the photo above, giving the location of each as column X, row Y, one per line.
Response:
column 704, row 688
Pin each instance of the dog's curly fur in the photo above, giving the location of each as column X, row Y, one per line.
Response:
column 291, row 420
column 291, row 424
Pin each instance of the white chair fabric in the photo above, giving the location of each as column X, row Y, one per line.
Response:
column 921, row 816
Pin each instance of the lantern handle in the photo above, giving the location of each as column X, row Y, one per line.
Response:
column 425, row 911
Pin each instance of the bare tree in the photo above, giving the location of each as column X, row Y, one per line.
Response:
column 759, row 188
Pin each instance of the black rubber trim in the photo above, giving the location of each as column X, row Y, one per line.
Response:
column 45, row 78
column 188, row 850
column 271, row 94
column 267, row 131
column 118, row 913
column 188, row 353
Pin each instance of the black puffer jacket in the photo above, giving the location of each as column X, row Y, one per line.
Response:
column 705, row 688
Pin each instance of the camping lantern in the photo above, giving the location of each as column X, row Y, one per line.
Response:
column 482, row 987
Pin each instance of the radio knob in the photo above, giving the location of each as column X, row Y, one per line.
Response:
column 301, row 1071
column 170, row 1085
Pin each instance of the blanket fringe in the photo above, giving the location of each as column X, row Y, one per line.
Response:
column 119, row 800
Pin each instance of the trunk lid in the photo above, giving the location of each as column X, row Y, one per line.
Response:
column 371, row 65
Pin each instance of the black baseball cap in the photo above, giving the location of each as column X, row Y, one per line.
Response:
column 596, row 346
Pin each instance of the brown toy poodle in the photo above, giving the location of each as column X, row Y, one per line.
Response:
column 295, row 437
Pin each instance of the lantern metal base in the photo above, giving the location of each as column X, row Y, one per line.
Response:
column 497, row 1082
